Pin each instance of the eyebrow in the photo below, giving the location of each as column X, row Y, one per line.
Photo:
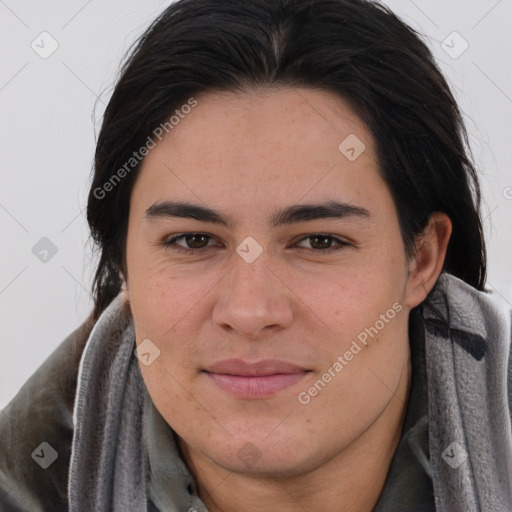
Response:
column 288, row 215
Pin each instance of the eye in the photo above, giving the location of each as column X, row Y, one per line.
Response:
column 198, row 242
column 323, row 243
column 195, row 242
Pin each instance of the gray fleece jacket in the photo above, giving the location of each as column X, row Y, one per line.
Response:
column 83, row 434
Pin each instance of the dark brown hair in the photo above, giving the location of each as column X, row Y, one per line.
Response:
column 357, row 49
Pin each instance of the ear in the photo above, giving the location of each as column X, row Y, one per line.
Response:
column 426, row 266
column 124, row 290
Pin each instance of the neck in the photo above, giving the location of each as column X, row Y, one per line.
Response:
column 354, row 477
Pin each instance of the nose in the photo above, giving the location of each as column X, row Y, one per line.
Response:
column 253, row 299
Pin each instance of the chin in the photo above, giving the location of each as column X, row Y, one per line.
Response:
column 264, row 452
column 266, row 460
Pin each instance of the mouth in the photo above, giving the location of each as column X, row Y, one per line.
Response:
column 254, row 380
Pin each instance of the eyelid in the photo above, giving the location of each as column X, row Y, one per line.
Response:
column 171, row 243
column 337, row 239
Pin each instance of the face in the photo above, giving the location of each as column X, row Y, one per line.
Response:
column 282, row 337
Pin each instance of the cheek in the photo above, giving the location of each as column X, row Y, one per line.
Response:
column 176, row 400
column 164, row 309
column 160, row 297
column 361, row 315
column 340, row 301
column 348, row 300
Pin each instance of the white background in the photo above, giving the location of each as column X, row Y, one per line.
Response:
column 48, row 136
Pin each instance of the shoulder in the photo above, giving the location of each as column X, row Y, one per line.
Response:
column 37, row 426
column 479, row 323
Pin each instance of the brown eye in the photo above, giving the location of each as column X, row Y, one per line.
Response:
column 194, row 242
column 197, row 242
column 324, row 243
column 321, row 242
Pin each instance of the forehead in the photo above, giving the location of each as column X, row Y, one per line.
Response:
column 268, row 146
column 284, row 122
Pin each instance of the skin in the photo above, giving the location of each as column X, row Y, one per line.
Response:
column 249, row 155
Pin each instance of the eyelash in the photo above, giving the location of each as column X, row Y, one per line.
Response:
column 171, row 243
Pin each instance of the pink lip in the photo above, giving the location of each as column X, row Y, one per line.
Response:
column 254, row 380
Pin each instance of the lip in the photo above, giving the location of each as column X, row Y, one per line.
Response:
column 260, row 368
column 254, row 380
